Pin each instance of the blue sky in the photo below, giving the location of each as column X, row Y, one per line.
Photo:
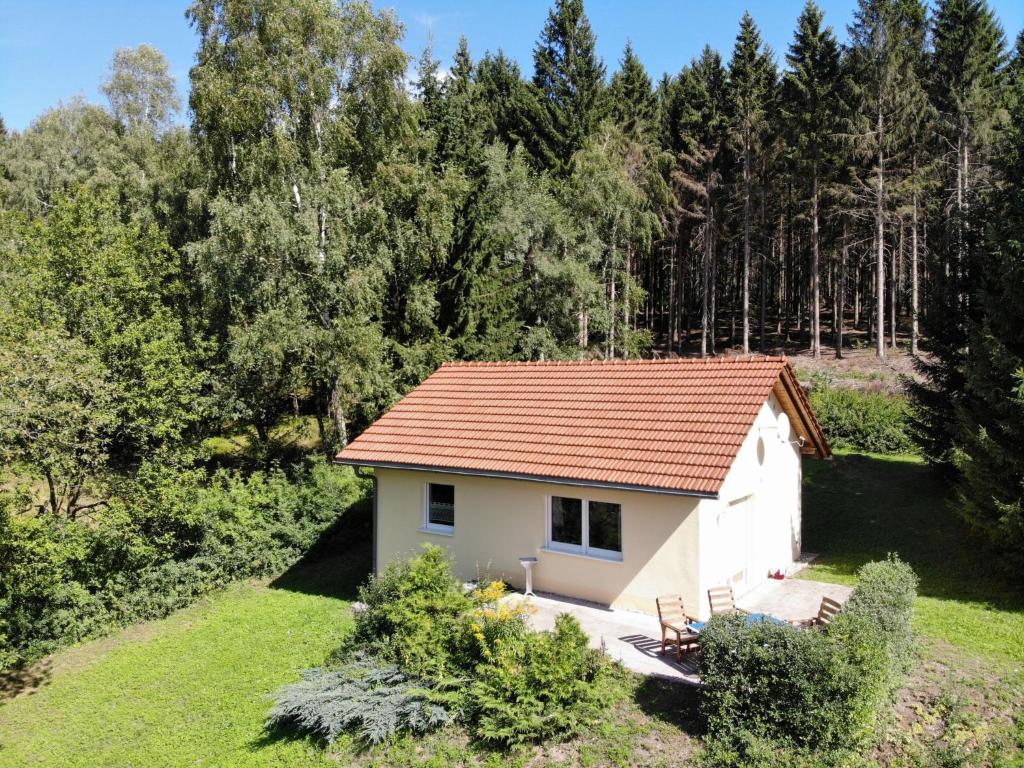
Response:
column 53, row 50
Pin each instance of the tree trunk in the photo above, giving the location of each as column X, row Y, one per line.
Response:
column 880, row 253
column 815, row 268
column 892, row 288
column 338, row 414
column 746, row 250
column 705, row 309
column 841, row 295
column 913, row 279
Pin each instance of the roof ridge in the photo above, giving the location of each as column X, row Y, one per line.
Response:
column 730, row 359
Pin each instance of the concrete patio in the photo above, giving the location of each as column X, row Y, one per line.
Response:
column 635, row 638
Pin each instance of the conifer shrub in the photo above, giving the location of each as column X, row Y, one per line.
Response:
column 365, row 695
column 539, row 686
column 427, row 650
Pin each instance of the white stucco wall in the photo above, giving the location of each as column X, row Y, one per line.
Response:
column 765, row 495
column 497, row 521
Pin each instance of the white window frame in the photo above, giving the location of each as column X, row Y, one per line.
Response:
column 584, row 549
column 429, row 527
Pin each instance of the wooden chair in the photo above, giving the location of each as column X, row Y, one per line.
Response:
column 826, row 612
column 723, row 601
column 673, row 620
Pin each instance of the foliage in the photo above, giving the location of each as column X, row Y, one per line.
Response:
column 174, row 537
column 817, row 690
column 876, row 422
column 884, row 597
column 414, row 611
column 539, row 685
column 822, row 691
column 374, row 700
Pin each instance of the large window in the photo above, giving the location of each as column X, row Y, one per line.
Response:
column 440, row 508
column 585, row 527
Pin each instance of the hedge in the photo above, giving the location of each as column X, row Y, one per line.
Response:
column 814, row 690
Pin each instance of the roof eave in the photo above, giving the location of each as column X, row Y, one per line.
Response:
column 579, row 483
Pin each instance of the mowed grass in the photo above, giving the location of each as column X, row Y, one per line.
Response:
column 859, row 508
column 190, row 689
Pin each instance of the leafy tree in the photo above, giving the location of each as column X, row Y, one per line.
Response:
column 57, row 417
column 141, row 91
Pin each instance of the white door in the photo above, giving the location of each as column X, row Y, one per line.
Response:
column 739, row 544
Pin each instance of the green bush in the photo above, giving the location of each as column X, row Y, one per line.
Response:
column 469, row 655
column 365, row 695
column 876, row 422
column 813, row 690
column 538, row 686
column 157, row 548
column 884, row 597
column 414, row 612
column 806, row 688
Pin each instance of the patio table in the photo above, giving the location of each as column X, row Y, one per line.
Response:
column 750, row 618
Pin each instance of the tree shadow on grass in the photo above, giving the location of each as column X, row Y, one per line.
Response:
column 671, row 702
column 24, row 679
column 858, row 508
column 338, row 562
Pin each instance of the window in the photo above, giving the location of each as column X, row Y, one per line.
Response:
column 585, row 527
column 440, row 507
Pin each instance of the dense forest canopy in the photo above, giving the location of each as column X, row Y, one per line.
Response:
column 323, row 233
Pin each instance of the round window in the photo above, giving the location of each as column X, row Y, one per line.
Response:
column 760, row 451
column 784, row 427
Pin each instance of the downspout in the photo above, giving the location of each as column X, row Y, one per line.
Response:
column 366, row 472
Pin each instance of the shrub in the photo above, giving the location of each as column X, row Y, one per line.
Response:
column 820, row 691
column 806, row 688
column 539, row 685
column 876, row 422
column 365, row 695
column 884, row 597
column 63, row 581
column 414, row 614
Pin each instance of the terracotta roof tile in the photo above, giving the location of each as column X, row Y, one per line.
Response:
column 673, row 425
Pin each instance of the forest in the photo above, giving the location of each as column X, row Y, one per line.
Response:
column 326, row 221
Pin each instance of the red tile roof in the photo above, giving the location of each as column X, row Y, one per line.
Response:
column 670, row 425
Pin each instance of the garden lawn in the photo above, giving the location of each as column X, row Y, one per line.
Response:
column 187, row 690
column 860, row 507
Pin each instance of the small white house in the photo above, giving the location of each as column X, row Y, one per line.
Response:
column 625, row 479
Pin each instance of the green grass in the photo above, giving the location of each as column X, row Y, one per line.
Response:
column 858, row 508
column 191, row 690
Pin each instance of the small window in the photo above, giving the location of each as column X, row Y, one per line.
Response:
column 567, row 521
column 585, row 527
column 604, row 524
column 441, row 506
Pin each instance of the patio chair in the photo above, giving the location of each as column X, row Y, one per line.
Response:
column 673, row 620
column 826, row 612
column 723, row 601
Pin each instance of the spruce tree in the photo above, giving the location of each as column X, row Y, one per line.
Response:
column 967, row 91
column 989, row 452
column 811, row 105
column 751, row 82
column 569, row 78
column 632, row 100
